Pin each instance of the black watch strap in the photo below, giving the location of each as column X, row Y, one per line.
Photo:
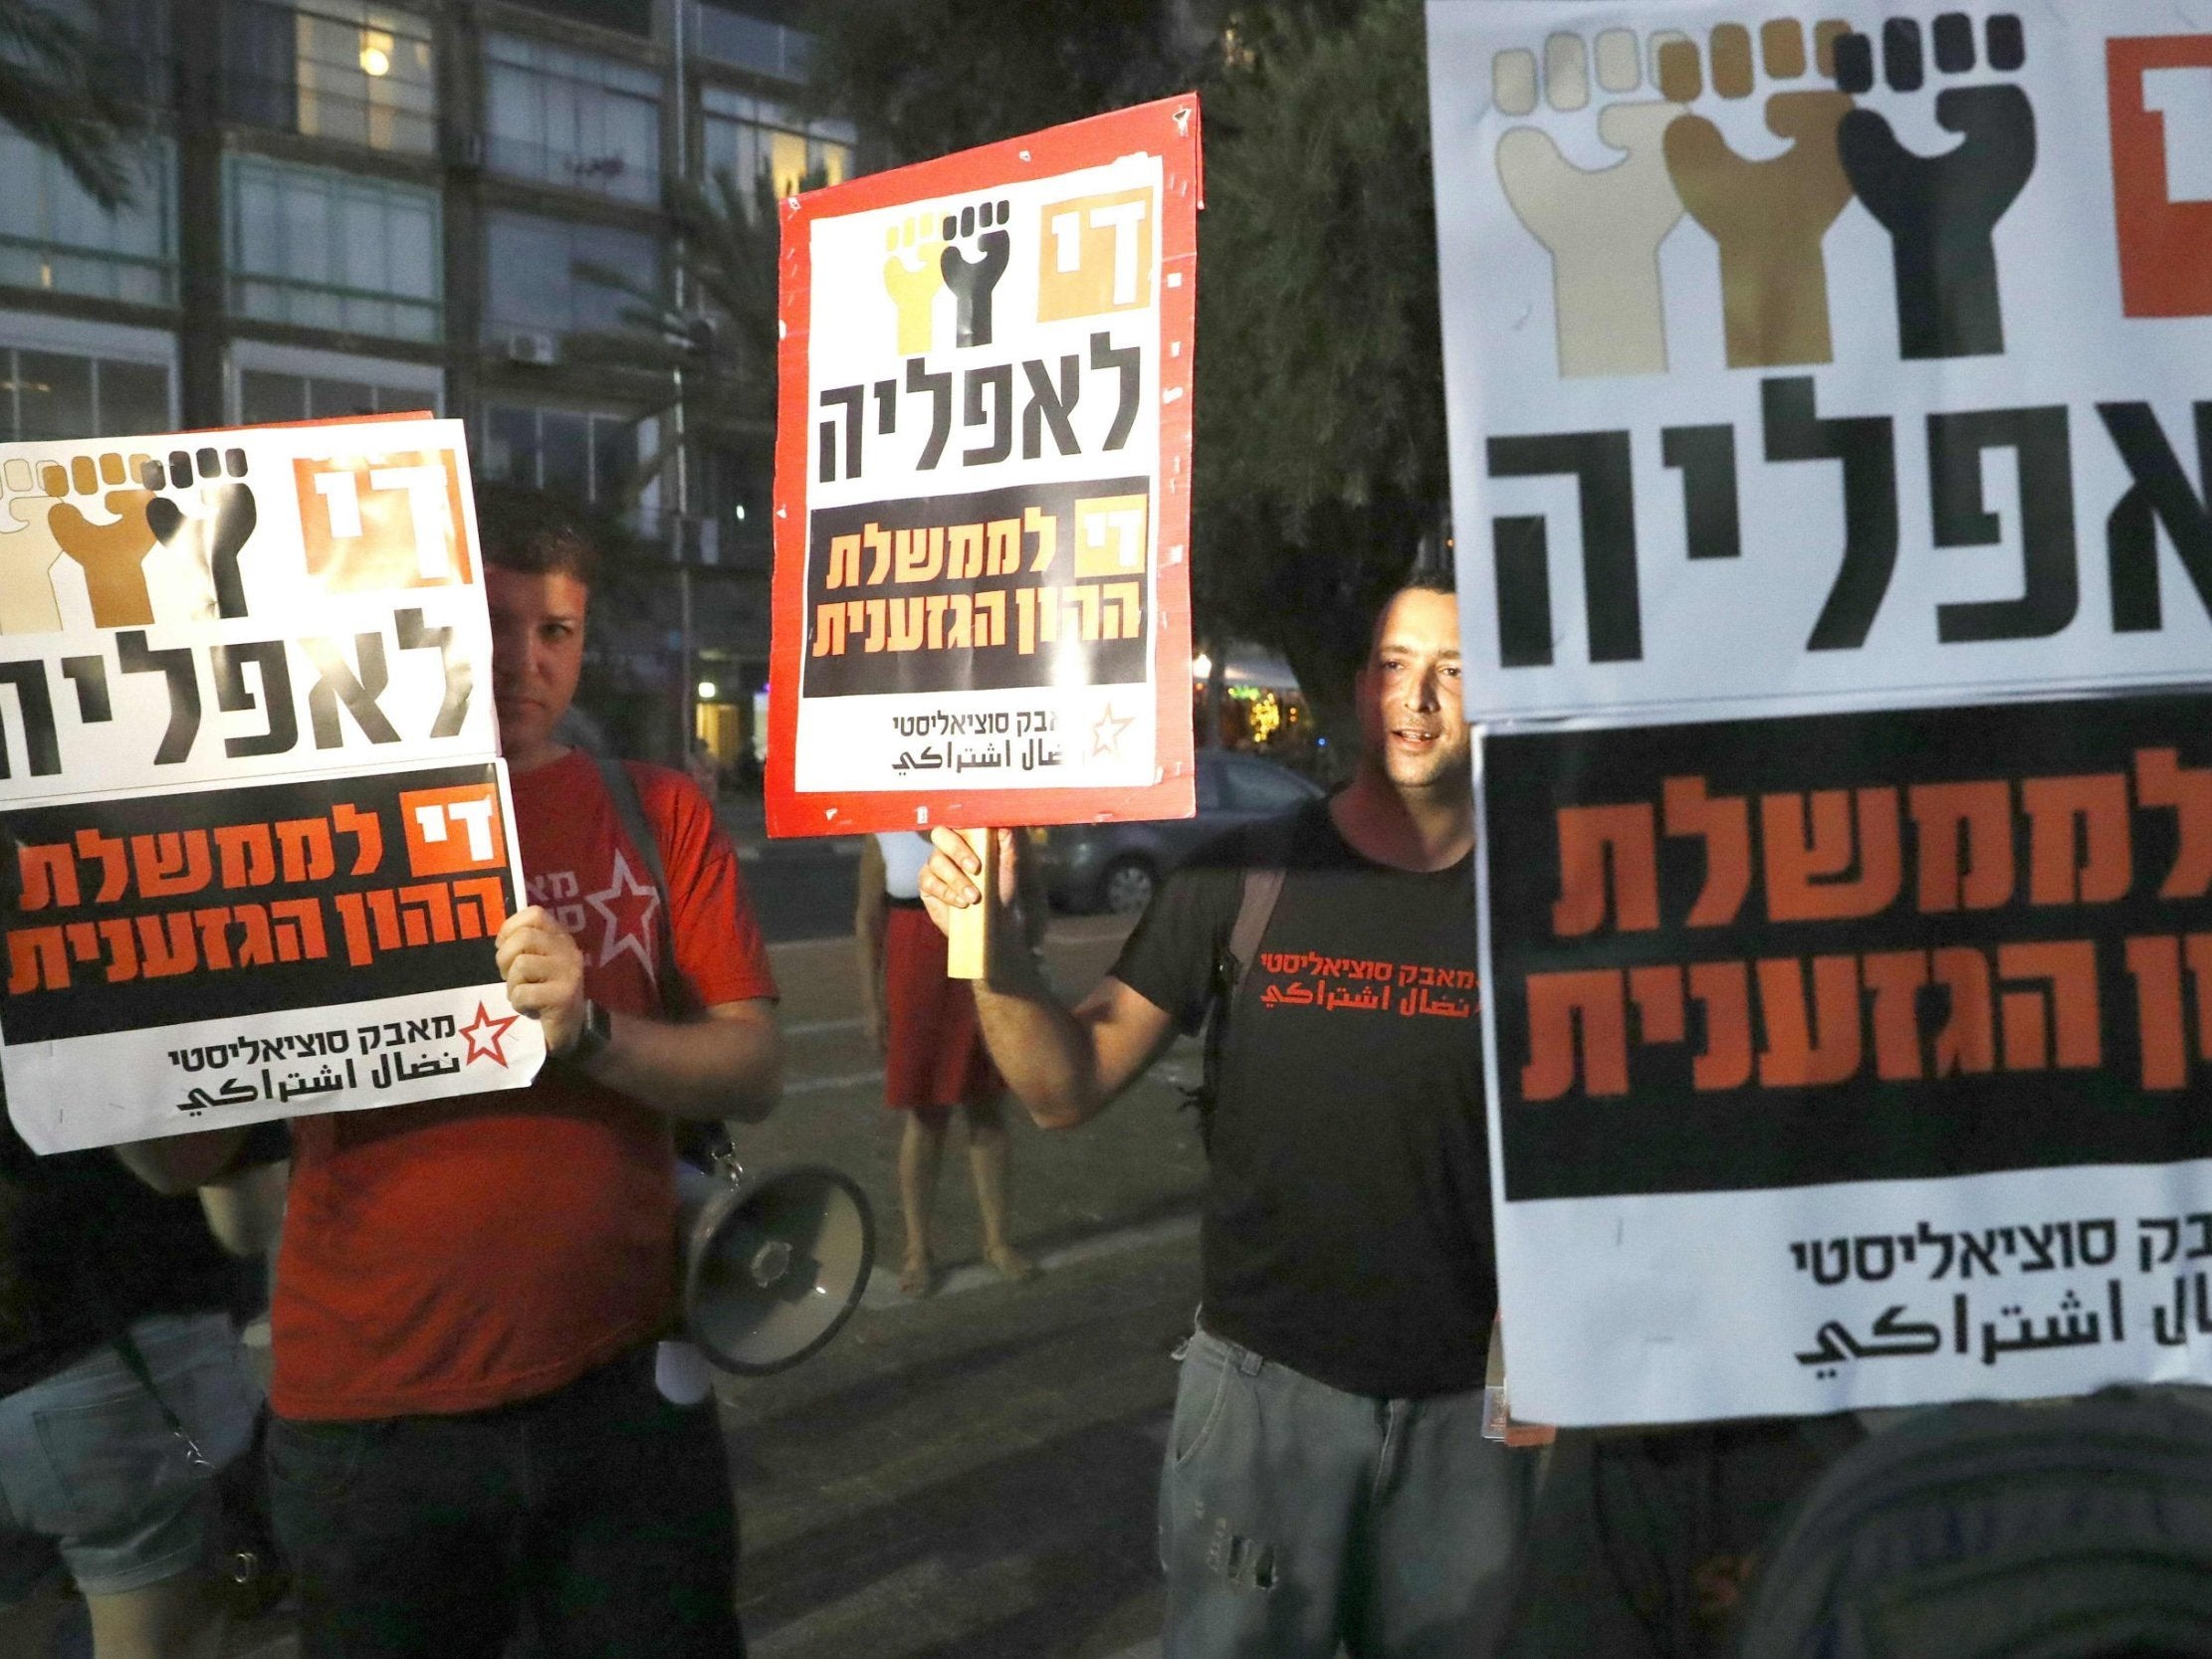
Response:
column 591, row 1037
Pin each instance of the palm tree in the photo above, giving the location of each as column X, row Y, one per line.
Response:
column 54, row 92
column 723, row 341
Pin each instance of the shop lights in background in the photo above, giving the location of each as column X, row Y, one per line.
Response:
column 1263, row 716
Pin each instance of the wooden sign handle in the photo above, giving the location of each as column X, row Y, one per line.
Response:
column 968, row 940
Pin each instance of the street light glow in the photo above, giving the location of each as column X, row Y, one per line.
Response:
column 1201, row 667
column 706, row 691
column 375, row 60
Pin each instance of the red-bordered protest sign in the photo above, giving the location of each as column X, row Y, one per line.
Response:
column 983, row 486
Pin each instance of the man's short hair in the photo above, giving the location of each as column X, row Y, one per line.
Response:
column 534, row 534
column 1426, row 579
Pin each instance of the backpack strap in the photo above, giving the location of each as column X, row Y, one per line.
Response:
column 677, row 1000
column 1256, row 907
column 1258, row 889
column 698, row 1144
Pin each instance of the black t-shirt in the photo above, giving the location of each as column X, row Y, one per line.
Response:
column 1347, row 1231
column 86, row 1248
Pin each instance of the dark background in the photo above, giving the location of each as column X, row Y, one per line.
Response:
column 857, row 673
column 91, row 1006
column 1664, row 1135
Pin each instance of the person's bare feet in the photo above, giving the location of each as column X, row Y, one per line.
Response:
column 1011, row 1264
column 918, row 1278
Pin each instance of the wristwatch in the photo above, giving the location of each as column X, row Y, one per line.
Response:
column 590, row 1038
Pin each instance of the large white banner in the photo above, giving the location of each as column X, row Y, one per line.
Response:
column 1797, row 353
column 248, row 765
column 1851, row 1060
column 1829, row 400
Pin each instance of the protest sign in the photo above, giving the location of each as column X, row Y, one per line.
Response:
column 249, row 770
column 1822, row 387
column 1796, row 354
column 981, row 594
column 1815, row 1029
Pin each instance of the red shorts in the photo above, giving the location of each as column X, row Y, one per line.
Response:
column 936, row 1052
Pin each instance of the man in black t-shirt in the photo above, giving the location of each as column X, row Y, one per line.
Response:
column 1327, row 1479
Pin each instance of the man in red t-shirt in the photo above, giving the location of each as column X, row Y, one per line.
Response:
column 468, row 1436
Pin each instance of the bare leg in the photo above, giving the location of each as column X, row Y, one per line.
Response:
column 180, row 1618
column 921, row 1151
column 989, row 1153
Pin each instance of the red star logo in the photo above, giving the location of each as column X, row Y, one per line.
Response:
column 628, row 906
column 485, row 1035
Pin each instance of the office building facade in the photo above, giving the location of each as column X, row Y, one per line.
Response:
column 347, row 207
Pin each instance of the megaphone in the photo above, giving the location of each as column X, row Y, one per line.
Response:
column 772, row 1265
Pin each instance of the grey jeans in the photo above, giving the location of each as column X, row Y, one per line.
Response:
column 1294, row 1516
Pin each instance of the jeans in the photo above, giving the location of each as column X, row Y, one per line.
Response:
column 92, row 1478
column 598, row 1517
column 1294, row 1516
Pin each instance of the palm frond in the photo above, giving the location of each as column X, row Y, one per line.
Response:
column 725, row 344
column 51, row 92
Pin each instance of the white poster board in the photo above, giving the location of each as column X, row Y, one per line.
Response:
column 247, row 758
column 1828, row 396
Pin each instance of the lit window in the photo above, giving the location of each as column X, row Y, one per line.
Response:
column 356, row 73
column 746, row 136
column 330, row 250
column 53, row 235
column 572, row 119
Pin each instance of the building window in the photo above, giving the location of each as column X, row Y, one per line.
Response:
column 130, row 55
column 329, row 250
column 632, row 17
column 272, row 384
column 753, row 43
column 533, row 285
column 51, row 396
column 746, row 136
column 334, row 68
column 267, row 396
column 568, row 119
column 739, row 498
column 564, row 449
column 53, row 235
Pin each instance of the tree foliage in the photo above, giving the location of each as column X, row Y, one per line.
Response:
column 1320, row 351
column 924, row 78
column 54, row 93
column 724, row 340
column 1320, row 446
column 1319, row 437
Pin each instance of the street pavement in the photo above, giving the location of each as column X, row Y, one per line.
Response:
column 974, row 1473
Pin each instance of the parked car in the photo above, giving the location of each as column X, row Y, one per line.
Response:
column 1117, row 866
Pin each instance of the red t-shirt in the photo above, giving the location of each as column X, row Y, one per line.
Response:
column 472, row 1252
